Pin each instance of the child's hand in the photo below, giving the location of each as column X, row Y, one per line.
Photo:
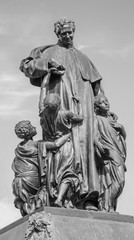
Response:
column 112, row 122
column 38, row 203
column 55, row 71
column 77, row 118
column 114, row 116
column 55, row 67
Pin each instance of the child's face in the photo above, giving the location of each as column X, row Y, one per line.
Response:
column 51, row 107
column 33, row 130
column 104, row 105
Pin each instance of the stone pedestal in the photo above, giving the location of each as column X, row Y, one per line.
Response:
column 66, row 224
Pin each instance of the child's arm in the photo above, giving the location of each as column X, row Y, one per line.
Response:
column 75, row 118
column 50, row 145
column 62, row 140
column 58, row 143
column 45, row 82
column 55, row 67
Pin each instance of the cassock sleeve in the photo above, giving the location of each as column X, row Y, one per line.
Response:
column 35, row 67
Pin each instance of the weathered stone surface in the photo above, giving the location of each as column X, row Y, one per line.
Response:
column 77, row 225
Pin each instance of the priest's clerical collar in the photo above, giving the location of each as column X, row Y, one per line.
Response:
column 68, row 45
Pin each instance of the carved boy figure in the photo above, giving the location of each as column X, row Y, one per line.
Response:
column 29, row 185
column 62, row 180
column 26, row 168
column 110, row 151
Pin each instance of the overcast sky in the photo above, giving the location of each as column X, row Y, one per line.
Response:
column 104, row 32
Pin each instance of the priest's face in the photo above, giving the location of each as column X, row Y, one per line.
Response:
column 66, row 36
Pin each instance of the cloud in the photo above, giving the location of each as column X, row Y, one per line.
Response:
column 3, row 24
column 2, row 31
column 15, row 94
column 4, row 107
column 18, row 28
column 121, row 52
column 14, row 85
column 13, row 111
column 9, row 24
column 15, row 107
column 8, row 213
column 9, row 110
column 82, row 46
column 20, row 93
column 8, row 78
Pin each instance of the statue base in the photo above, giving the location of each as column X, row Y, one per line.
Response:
column 71, row 224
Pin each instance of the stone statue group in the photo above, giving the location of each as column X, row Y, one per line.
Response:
column 80, row 160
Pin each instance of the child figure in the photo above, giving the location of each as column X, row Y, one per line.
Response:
column 26, row 168
column 62, row 181
column 55, row 71
column 110, row 149
column 28, row 185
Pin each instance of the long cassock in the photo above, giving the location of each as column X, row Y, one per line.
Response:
column 76, row 93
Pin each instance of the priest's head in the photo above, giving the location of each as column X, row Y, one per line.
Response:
column 64, row 29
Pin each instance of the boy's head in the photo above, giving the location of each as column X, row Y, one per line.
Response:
column 101, row 104
column 25, row 130
column 52, row 102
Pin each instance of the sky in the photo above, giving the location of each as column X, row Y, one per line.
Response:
column 104, row 32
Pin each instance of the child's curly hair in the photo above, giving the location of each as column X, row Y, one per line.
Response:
column 25, row 130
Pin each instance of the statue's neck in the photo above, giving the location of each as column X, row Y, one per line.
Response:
column 104, row 114
column 61, row 44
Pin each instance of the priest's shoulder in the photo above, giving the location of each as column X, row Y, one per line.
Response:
column 81, row 54
column 36, row 51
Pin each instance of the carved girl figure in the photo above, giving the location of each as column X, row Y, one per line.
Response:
column 110, row 151
column 62, row 180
